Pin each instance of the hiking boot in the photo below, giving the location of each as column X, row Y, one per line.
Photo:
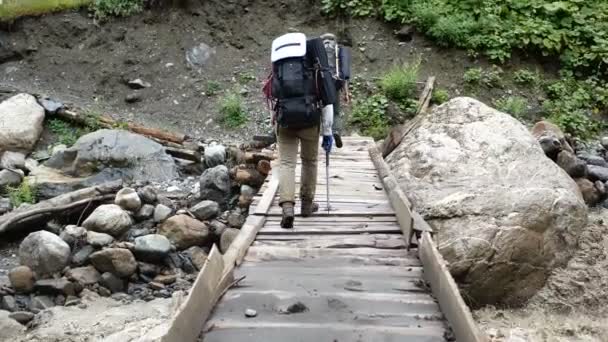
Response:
column 309, row 207
column 288, row 215
column 338, row 140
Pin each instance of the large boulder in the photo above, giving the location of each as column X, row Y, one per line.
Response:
column 109, row 219
column 184, row 231
column 505, row 215
column 21, row 119
column 118, row 261
column 215, row 185
column 134, row 156
column 44, row 253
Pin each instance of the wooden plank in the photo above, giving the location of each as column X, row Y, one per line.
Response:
column 360, row 219
column 335, row 212
column 267, row 197
column 240, row 244
column 446, row 291
column 190, row 318
column 312, row 267
column 287, row 252
column 327, row 230
column 346, row 242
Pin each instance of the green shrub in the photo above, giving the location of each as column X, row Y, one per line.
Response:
column 440, row 96
column 24, row 193
column 473, row 76
column 526, row 77
column 118, row 8
column 213, row 88
column 489, row 77
column 517, row 106
column 66, row 134
column 400, row 82
column 232, row 110
column 369, row 114
column 246, row 77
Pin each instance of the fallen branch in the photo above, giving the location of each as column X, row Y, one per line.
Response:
column 60, row 203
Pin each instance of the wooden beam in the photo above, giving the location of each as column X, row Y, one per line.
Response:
column 237, row 250
column 425, row 97
column 445, row 290
column 267, row 198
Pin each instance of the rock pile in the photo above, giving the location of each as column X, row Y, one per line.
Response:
column 587, row 166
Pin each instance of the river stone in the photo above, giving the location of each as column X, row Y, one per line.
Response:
column 109, row 219
column 10, row 329
column 128, row 199
column 99, row 239
column 162, row 212
column 41, row 303
column 573, row 166
column 8, row 303
column 44, row 253
column 118, row 261
column 84, row 275
column 547, row 129
column 590, row 193
column 5, row 205
column 598, row 173
column 12, row 160
column 205, row 210
column 134, row 156
column 199, row 55
column 197, row 255
column 184, row 231
column 82, row 256
column 215, row 185
column 147, row 194
column 22, row 279
column 152, row 248
column 145, row 212
column 55, row 287
column 10, row 178
column 112, row 282
column 505, row 215
column 595, row 160
column 227, row 237
column 22, row 316
column 215, row 155
column 73, row 235
column 21, row 119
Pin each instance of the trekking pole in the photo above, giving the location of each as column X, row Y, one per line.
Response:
column 327, row 177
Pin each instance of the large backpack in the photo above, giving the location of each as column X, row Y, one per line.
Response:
column 296, row 82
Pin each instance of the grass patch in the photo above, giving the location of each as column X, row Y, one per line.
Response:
column 246, row 77
column 440, row 96
column 526, row 77
column 212, row 88
column 24, row 193
column 369, row 114
column 66, row 134
column 517, row 106
column 232, row 110
column 10, row 9
column 399, row 83
column 473, row 76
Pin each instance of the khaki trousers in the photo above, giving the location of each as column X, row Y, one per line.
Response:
column 288, row 152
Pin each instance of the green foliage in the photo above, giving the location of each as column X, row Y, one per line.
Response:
column 440, row 96
column 117, row 8
column 232, row 110
column 517, row 106
column 400, row 82
column 66, row 134
column 526, row 77
column 213, row 88
column 488, row 77
column 473, row 76
column 369, row 114
column 24, row 193
column 246, row 77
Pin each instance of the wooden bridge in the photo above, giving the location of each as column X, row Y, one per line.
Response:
column 339, row 276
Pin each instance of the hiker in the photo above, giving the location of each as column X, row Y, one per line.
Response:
column 330, row 42
column 303, row 92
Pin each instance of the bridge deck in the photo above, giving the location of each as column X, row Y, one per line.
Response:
column 339, row 276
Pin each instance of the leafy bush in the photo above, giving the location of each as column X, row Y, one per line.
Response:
column 66, row 134
column 517, row 106
column 440, row 96
column 118, row 8
column 24, row 193
column 489, row 77
column 473, row 76
column 369, row 114
column 400, row 82
column 526, row 77
column 232, row 111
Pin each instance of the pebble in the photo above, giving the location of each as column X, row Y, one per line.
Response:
column 250, row 313
column 156, row 286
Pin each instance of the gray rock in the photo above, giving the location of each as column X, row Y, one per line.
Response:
column 9, row 303
column 104, row 292
column 44, row 253
column 590, row 193
column 598, row 173
column 162, row 212
column 147, row 194
column 133, row 97
column 601, row 188
column 72, row 301
column 82, row 256
column 247, row 191
column 139, row 84
column 573, row 166
column 405, row 33
column 10, row 329
column 217, row 227
column 215, row 155
column 22, row 279
column 604, row 142
column 184, row 231
column 148, row 269
column 236, row 219
column 250, row 313
column 145, row 212
column 73, row 235
column 60, row 300
column 5, row 205
column 84, row 276
column 152, row 248
column 215, row 185
column 22, row 118
column 197, row 256
column 51, row 106
column 10, row 178
column 12, row 160
column 41, row 303
column 31, row 164
column 227, row 237
column 128, row 199
column 109, row 219
column 58, row 149
column 165, row 201
column 198, row 56
column 596, row 160
column 99, row 240
column 55, row 287
column 112, row 282
column 22, row 317
column 205, row 210
column 505, row 215
column 118, row 261
column 133, row 156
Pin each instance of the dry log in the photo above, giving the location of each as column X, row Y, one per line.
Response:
column 183, row 153
column 255, row 157
column 60, row 203
column 251, row 177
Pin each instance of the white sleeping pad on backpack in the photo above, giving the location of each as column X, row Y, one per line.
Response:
column 288, row 45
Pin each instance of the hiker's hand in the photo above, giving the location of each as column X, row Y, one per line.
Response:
column 328, row 140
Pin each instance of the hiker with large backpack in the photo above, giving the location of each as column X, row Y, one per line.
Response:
column 302, row 92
